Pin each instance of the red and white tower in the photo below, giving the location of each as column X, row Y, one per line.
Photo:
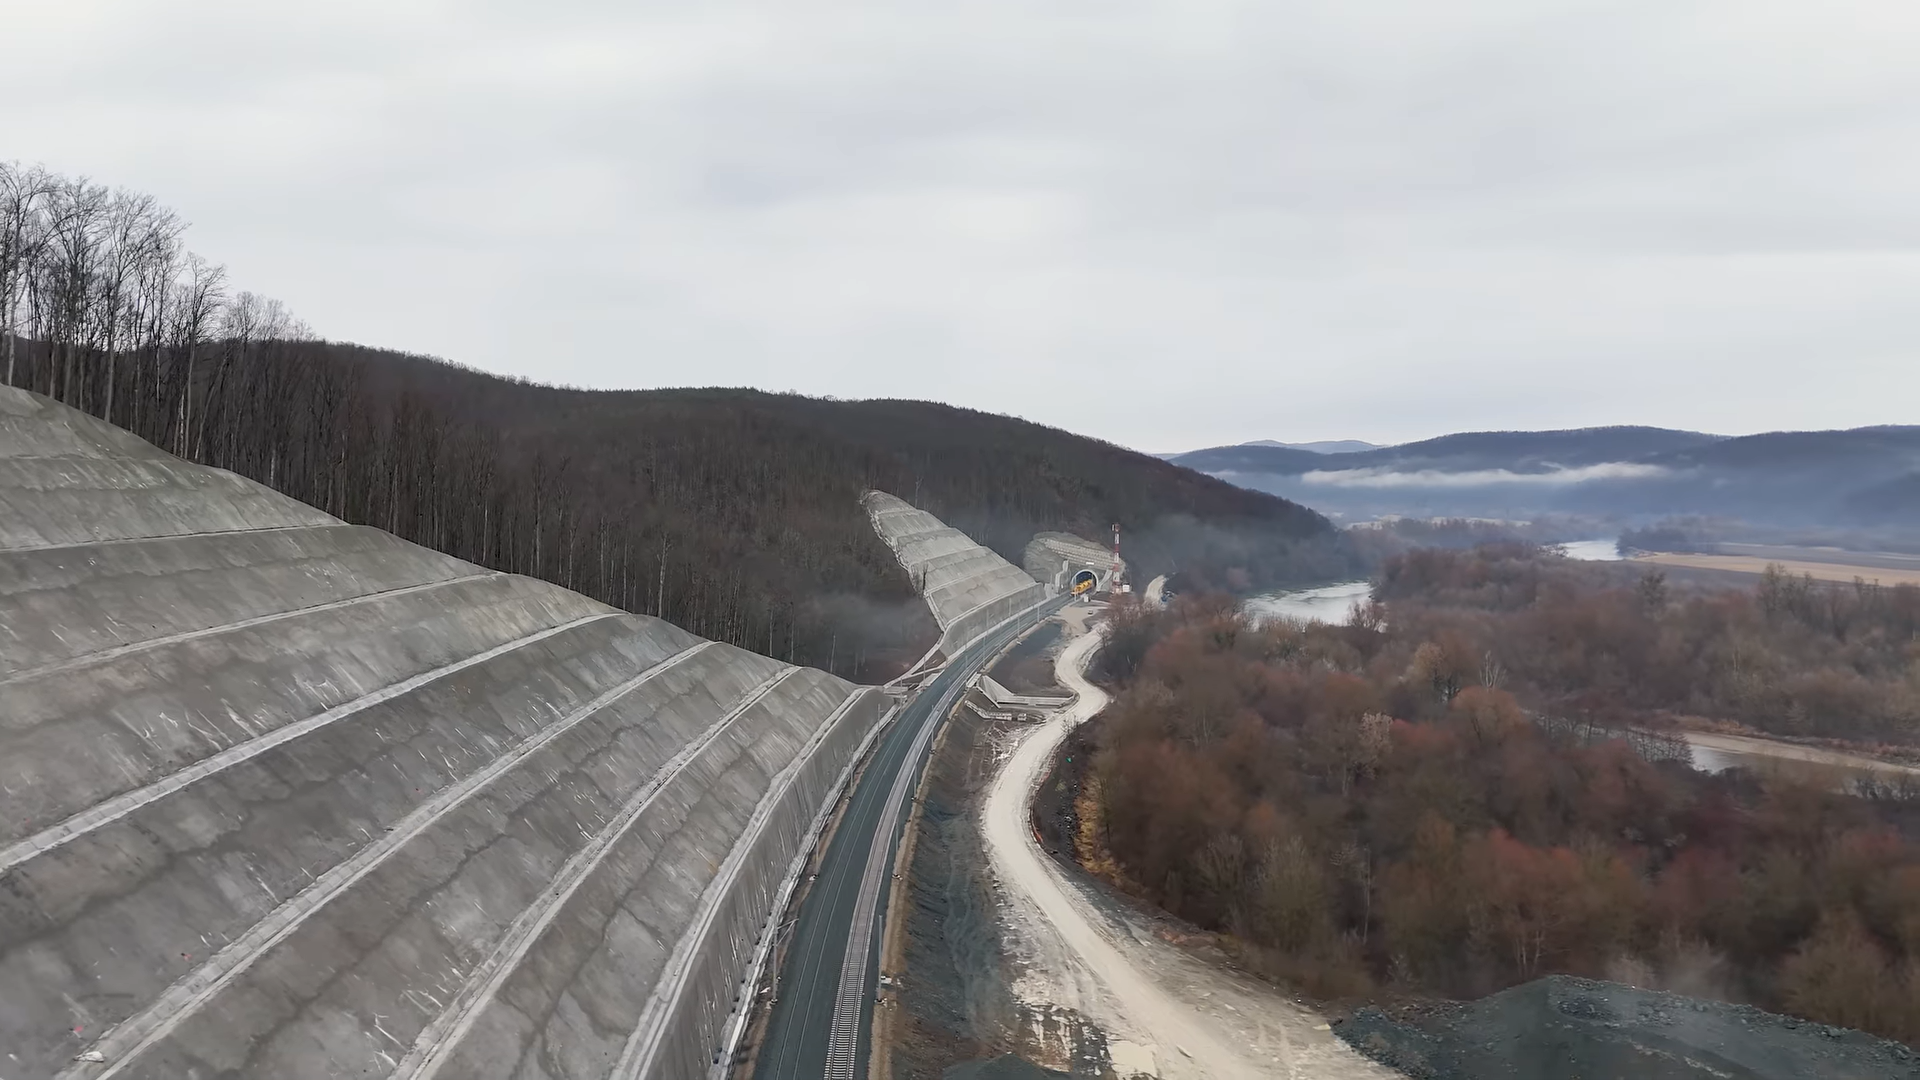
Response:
column 1117, row 582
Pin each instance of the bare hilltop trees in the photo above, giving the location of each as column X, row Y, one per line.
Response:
column 103, row 308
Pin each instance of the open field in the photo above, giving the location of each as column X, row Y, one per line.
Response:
column 1721, row 749
column 1889, row 560
column 1821, row 571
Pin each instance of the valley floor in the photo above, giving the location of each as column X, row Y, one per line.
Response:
column 1820, row 570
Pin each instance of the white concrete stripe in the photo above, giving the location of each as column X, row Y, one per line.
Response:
column 437, row 1042
column 328, row 523
column 121, row 805
column 126, row 1042
column 118, row 651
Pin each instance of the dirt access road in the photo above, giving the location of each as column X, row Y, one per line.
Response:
column 1155, row 589
column 1746, row 748
column 1167, row 1014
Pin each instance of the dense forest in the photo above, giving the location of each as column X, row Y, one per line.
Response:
column 1791, row 656
column 731, row 512
column 1399, row 807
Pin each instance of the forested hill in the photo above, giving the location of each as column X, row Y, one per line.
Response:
column 732, row 512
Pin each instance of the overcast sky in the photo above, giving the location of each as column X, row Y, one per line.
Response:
column 1170, row 224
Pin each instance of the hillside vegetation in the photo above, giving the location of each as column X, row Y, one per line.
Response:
column 734, row 513
column 731, row 512
column 1382, row 809
column 1790, row 656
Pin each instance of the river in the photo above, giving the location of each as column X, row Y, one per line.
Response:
column 1332, row 603
column 1593, row 550
column 1327, row 604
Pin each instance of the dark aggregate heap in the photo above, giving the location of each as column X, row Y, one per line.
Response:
column 1004, row 1067
column 1563, row 1028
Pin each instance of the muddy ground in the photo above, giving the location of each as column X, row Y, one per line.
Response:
column 1054, row 816
column 1027, row 668
column 954, row 1016
column 1004, row 1067
column 953, row 992
column 952, row 1006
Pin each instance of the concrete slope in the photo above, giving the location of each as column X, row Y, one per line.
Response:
column 286, row 797
column 969, row 588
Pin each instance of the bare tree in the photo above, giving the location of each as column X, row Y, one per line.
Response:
column 75, row 239
column 22, row 192
column 198, row 302
column 128, row 221
column 731, row 515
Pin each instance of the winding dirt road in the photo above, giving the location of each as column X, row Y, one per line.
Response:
column 1167, row 1014
column 1155, row 589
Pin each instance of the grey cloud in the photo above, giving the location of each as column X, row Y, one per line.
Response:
column 1235, row 220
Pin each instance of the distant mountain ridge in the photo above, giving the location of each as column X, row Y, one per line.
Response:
column 1324, row 446
column 1866, row 475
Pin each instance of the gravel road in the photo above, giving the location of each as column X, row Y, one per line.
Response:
column 1167, row 1014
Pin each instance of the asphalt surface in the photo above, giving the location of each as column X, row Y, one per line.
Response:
column 796, row 1042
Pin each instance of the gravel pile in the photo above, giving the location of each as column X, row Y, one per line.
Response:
column 1563, row 1028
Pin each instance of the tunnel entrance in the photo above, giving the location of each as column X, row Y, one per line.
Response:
column 1084, row 581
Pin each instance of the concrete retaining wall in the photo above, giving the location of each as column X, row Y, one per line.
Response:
column 285, row 797
column 969, row 588
column 989, row 615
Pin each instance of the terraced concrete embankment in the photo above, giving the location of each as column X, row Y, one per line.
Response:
column 969, row 588
column 1055, row 557
column 286, row 797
